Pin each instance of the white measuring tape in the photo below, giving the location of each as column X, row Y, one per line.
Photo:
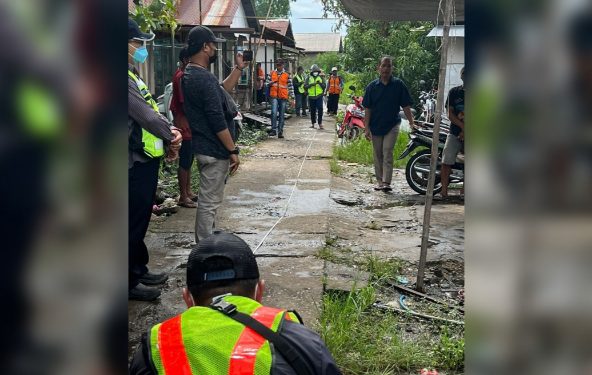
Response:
column 290, row 198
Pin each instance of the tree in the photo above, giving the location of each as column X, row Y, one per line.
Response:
column 415, row 56
column 279, row 8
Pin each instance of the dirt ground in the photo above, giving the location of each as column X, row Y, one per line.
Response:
column 276, row 178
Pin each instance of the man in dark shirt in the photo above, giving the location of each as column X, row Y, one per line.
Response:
column 454, row 142
column 382, row 102
column 211, row 120
column 223, row 268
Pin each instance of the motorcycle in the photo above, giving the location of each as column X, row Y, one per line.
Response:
column 352, row 125
column 417, row 169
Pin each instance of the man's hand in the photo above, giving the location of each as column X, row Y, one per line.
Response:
column 171, row 155
column 178, row 138
column 368, row 134
column 240, row 62
column 461, row 136
column 234, row 163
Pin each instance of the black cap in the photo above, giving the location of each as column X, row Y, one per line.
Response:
column 198, row 36
column 134, row 32
column 221, row 256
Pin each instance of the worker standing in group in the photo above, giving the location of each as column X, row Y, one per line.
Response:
column 334, row 89
column 316, row 87
column 280, row 88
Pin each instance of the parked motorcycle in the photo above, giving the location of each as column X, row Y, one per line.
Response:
column 352, row 125
column 417, row 170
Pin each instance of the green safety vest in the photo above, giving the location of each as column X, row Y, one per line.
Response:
column 205, row 341
column 153, row 146
column 315, row 90
column 38, row 109
column 299, row 80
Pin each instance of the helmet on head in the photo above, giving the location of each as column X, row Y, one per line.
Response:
column 315, row 68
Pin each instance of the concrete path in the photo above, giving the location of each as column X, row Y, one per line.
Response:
column 256, row 197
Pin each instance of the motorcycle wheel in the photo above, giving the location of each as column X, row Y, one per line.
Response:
column 417, row 173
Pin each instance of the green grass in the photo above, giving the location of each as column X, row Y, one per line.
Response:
column 360, row 151
column 336, row 169
column 364, row 340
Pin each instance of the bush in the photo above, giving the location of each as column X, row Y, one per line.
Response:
column 360, row 151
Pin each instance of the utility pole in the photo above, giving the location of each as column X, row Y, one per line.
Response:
column 435, row 140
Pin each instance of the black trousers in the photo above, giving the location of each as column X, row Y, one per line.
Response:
column 332, row 103
column 142, row 180
column 316, row 109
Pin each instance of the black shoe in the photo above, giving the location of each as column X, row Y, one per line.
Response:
column 150, row 278
column 143, row 293
column 304, row 115
column 272, row 133
column 281, row 135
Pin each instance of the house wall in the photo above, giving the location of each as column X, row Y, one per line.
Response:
column 266, row 65
column 456, row 60
column 240, row 18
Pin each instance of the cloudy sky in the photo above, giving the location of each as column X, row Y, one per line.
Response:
column 310, row 9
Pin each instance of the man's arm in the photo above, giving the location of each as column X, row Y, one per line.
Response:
column 146, row 116
column 232, row 79
column 367, row 115
column 409, row 115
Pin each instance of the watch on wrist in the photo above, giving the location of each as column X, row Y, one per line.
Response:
column 236, row 151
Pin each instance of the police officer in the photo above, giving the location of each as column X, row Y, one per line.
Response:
column 148, row 133
column 217, row 334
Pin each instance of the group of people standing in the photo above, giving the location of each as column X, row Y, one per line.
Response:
column 308, row 91
column 224, row 288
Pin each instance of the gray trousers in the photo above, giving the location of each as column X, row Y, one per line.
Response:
column 212, row 180
column 383, row 146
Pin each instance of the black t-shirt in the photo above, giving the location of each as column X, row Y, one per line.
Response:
column 385, row 102
column 207, row 112
column 456, row 100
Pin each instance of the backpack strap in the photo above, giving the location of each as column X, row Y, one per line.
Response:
column 299, row 363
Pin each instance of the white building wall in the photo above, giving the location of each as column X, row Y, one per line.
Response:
column 240, row 18
column 456, row 60
column 266, row 65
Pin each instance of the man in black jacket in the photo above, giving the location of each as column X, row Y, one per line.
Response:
column 223, row 277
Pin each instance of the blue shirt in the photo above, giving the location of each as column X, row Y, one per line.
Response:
column 385, row 103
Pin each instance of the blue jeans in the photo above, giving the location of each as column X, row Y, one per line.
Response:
column 300, row 104
column 275, row 103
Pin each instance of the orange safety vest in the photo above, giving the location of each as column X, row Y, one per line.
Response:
column 280, row 89
column 335, row 85
column 178, row 346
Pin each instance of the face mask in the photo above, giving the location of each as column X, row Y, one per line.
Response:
column 314, row 74
column 140, row 55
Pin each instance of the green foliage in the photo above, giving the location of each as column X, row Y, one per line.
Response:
column 159, row 15
column 251, row 135
column 450, row 352
column 335, row 167
column 383, row 269
column 415, row 55
column 279, row 9
column 360, row 151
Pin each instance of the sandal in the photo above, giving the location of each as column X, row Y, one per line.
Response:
column 188, row 204
column 387, row 188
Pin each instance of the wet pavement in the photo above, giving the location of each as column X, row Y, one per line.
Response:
column 277, row 181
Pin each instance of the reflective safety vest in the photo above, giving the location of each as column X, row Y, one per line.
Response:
column 153, row 146
column 205, row 341
column 300, row 80
column 314, row 90
column 280, row 89
column 39, row 110
column 334, row 85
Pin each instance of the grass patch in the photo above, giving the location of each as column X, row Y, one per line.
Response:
column 364, row 341
column 336, row 169
column 360, row 151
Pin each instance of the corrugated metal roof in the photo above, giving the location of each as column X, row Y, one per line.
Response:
column 279, row 26
column 213, row 12
column 318, row 42
column 401, row 10
column 455, row 31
